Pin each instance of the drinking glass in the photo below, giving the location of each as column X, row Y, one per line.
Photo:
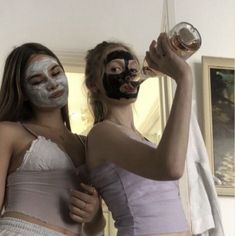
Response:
column 185, row 41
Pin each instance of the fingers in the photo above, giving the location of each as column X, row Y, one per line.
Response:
column 158, row 53
column 84, row 206
column 152, row 49
column 164, row 45
column 163, row 58
column 82, row 201
column 76, row 218
column 159, row 49
column 78, row 212
column 89, row 196
column 153, row 55
column 89, row 189
column 81, row 204
column 151, row 63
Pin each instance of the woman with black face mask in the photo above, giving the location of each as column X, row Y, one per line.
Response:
column 137, row 179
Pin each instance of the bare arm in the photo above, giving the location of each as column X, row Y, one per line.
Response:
column 6, row 150
column 174, row 141
column 109, row 143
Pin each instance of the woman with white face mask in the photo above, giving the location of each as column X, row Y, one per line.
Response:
column 40, row 158
column 137, row 179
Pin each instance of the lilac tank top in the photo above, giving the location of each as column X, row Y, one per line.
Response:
column 139, row 206
column 40, row 186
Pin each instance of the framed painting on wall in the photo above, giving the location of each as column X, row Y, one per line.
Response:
column 218, row 122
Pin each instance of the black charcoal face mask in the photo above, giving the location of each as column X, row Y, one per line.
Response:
column 113, row 82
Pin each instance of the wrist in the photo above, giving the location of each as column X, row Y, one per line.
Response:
column 96, row 226
column 185, row 80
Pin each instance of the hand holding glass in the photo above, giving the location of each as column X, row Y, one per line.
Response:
column 185, row 41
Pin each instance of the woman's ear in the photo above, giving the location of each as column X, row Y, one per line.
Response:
column 93, row 88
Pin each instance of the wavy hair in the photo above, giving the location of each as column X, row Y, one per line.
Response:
column 13, row 106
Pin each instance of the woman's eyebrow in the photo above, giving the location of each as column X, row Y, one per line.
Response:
column 117, row 60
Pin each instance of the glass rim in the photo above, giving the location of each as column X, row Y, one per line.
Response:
column 189, row 24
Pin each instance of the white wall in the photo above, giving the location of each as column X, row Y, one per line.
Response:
column 77, row 25
column 215, row 19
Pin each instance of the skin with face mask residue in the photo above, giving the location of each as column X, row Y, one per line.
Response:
column 45, row 83
column 121, row 69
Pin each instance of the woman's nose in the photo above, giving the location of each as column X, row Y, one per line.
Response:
column 130, row 77
column 52, row 84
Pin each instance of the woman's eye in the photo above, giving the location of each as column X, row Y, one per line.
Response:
column 116, row 70
column 56, row 72
column 36, row 82
column 134, row 71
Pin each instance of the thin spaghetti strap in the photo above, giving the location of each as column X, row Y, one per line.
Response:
column 29, row 130
column 79, row 137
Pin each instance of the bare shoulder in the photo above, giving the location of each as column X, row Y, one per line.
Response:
column 101, row 136
column 9, row 128
column 103, row 129
column 10, row 131
column 10, row 136
column 105, row 139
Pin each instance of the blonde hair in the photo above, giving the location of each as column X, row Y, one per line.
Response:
column 95, row 68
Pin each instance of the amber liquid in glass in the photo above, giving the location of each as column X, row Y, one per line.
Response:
column 184, row 50
column 183, row 45
column 183, row 42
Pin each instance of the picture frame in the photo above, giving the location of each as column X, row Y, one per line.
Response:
column 218, row 120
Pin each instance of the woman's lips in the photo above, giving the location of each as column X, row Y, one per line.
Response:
column 128, row 88
column 57, row 94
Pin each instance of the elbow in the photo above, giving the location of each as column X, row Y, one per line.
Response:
column 175, row 172
column 175, row 175
column 168, row 174
column 172, row 163
column 175, row 167
column 171, row 167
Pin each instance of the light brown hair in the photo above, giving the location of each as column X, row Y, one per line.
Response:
column 13, row 106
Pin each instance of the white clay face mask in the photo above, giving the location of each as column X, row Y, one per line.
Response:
column 46, row 84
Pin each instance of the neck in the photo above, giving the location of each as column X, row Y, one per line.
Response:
column 51, row 119
column 121, row 115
